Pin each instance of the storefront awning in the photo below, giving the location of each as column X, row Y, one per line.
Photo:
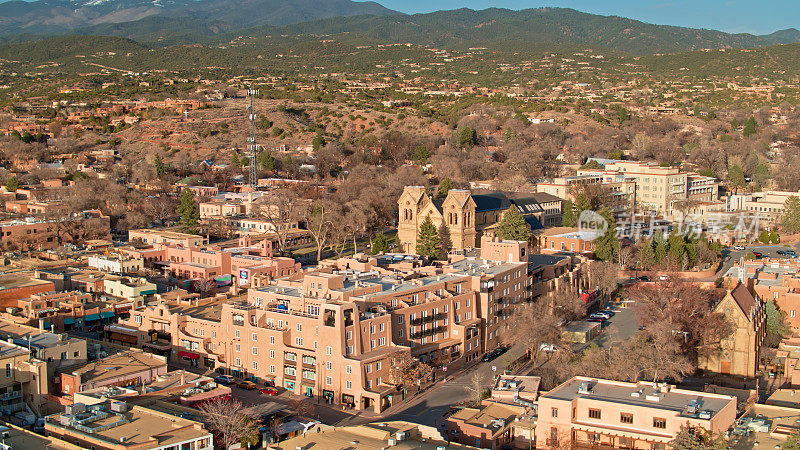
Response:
column 107, row 314
column 69, row 321
column 188, row 355
column 91, row 317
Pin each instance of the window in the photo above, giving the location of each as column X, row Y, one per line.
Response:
column 328, row 381
column 255, row 365
column 377, row 366
column 137, row 319
column 369, row 368
column 272, row 339
column 626, row 418
column 272, row 353
column 309, row 375
column 400, row 332
column 255, row 350
column 554, row 412
column 348, row 384
column 348, row 369
column 289, row 370
column 237, row 362
column 271, row 368
column 328, row 350
column 400, row 319
column 659, row 423
column 349, row 335
column 298, row 341
column 255, row 337
column 236, row 333
column 309, row 360
column 328, row 365
column 299, row 327
column 290, row 356
column 235, row 347
column 63, row 355
column 594, row 413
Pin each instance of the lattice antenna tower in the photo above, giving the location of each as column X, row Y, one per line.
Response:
column 252, row 147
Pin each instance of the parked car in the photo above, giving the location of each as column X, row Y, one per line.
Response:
column 758, row 255
column 187, row 416
column 643, row 278
column 663, row 278
column 601, row 315
column 224, row 379
column 738, row 247
column 269, row 390
column 494, row 354
column 595, row 319
column 548, row 348
column 608, row 311
column 248, row 385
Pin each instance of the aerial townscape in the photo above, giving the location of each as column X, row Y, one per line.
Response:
column 328, row 224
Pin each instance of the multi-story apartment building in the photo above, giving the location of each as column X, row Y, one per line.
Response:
column 657, row 189
column 643, row 415
column 335, row 332
column 768, row 205
column 739, row 353
column 469, row 216
column 23, row 380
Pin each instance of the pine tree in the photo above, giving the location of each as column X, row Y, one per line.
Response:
column 777, row 328
column 428, row 239
column 567, row 214
column 647, row 256
column 444, row 188
column 791, row 215
column 677, row 248
column 445, row 243
column 749, row 127
column 190, row 215
column 12, row 184
column 606, row 247
column 513, row 226
column 159, row 165
column 381, row 244
column 266, row 161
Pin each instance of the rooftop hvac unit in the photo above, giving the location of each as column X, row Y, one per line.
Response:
column 392, row 442
column 584, row 388
column 400, row 436
column 76, row 408
column 705, row 415
column 119, row 407
column 66, row 420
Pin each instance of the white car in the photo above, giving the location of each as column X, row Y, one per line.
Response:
column 738, row 247
column 600, row 315
column 548, row 348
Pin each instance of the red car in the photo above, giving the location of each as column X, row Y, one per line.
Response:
column 269, row 391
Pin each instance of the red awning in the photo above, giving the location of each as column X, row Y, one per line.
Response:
column 188, row 355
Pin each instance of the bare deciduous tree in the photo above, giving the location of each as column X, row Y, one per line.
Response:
column 226, row 416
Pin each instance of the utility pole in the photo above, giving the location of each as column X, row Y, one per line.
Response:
column 252, row 147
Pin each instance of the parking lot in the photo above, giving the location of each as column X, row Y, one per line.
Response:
column 622, row 326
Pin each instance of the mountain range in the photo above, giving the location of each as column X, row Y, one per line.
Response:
column 170, row 22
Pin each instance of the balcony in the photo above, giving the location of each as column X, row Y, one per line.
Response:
column 428, row 319
column 430, row 332
column 10, row 396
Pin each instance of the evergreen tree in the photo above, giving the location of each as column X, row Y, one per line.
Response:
column 190, row 215
column 736, row 176
column 568, row 218
column 444, row 188
column 266, row 161
column 12, row 184
column 774, row 237
column 750, row 127
column 159, row 166
column 791, row 215
column 445, row 243
column 660, row 251
column 236, row 162
column 606, row 247
column 677, row 248
column 428, row 239
column 381, row 244
column 318, row 142
column 421, row 154
column 467, row 137
column 763, row 237
column 777, row 328
column 647, row 257
column 513, row 226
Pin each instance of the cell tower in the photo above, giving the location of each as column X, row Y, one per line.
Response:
column 252, row 147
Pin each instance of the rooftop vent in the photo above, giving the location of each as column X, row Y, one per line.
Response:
column 584, row 388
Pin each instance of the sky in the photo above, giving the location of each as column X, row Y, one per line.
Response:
column 733, row 16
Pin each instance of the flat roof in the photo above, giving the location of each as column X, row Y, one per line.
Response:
column 764, row 427
column 19, row 438
column 144, row 426
column 370, row 436
column 117, row 365
column 675, row 400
